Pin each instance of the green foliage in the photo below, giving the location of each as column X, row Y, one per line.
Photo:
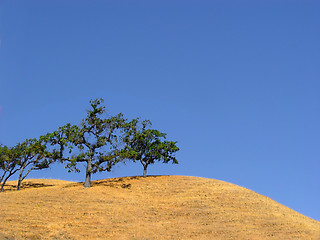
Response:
column 147, row 145
column 28, row 155
column 9, row 158
column 33, row 156
column 93, row 142
column 98, row 141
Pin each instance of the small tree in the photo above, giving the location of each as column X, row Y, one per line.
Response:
column 33, row 156
column 94, row 142
column 147, row 145
column 9, row 157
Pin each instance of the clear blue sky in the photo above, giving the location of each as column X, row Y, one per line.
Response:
column 236, row 83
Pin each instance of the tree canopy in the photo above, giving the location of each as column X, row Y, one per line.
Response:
column 33, row 155
column 148, row 145
column 99, row 141
column 93, row 141
column 9, row 158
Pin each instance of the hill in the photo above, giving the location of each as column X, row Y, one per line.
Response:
column 156, row 207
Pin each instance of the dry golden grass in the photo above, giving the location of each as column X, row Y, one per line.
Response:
column 162, row 207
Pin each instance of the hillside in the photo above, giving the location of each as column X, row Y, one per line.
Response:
column 156, row 207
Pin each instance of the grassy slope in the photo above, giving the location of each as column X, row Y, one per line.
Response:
column 163, row 207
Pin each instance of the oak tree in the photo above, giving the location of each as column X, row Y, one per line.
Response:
column 9, row 158
column 33, row 156
column 93, row 142
column 147, row 145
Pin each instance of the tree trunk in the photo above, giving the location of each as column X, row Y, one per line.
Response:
column 6, row 179
column 145, row 171
column 4, row 182
column 2, row 185
column 19, row 184
column 20, row 179
column 87, row 182
column 2, row 178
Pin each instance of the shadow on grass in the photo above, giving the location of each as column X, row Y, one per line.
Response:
column 26, row 185
column 113, row 181
column 122, row 182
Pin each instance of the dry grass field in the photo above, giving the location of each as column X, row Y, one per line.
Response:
column 156, row 207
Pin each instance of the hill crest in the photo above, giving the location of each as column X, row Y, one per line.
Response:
column 156, row 207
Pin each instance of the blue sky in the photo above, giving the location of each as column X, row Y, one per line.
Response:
column 236, row 83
